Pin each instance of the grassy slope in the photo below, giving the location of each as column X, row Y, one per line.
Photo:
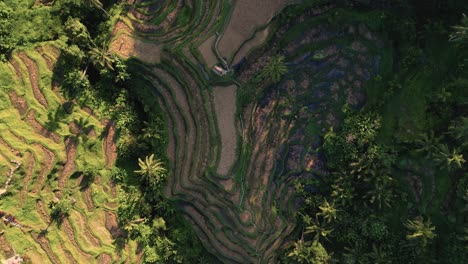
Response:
column 19, row 134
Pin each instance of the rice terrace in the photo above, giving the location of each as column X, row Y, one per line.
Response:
column 233, row 131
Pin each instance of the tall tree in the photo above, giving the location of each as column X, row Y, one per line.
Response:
column 450, row 159
column 420, row 230
column 7, row 43
column 460, row 33
column 101, row 58
column 275, row 69
column 152, row 171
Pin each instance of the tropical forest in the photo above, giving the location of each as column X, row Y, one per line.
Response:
column 234, row 131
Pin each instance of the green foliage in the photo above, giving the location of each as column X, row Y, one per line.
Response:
column 309, row 252
column 420, row 230
column 185, row 14
column 7, row 41
column 59, row 211
column 460, row 33
column 152, row 171
column 275, row 69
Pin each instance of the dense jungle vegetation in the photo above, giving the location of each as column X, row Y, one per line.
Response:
column 395, row 188
column 412, row 126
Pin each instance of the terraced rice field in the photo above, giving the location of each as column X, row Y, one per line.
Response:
column 46, row 149
column 243, row 213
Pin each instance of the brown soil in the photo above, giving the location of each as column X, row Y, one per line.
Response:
column 31, row 163
column 33, row 78
column 109, row 145
column 104, row 258
column 127, row 46
column 46, row 167
column 10, row 148
column 40, row 208
column 44, row 243
column 207, row 53
column 39, row 128
column 258, row 39
column 19, row 102
column 246, row 16
column 88, row 199
column 70, row 257
column 5, row 247
column 112, row 225
column 49, row 61
column 17, row 68
column 69, row 164
column 225, row 107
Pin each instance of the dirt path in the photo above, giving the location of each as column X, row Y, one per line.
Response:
column 245, row 18
column 225, row 107
column 34, row 78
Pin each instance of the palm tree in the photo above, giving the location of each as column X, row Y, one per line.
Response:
column 101, row 58
column 451, row 160
column 96, row 4
column 318, row 228
column 428, row 143
column 377, row 256
column 461, row 31
column 328, row 211
column 420, row 229
column 152, row 171
column 381, row 192
column 301, row 252
column 275, row 69
column 459, row 129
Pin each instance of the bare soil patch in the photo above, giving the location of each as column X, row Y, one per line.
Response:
column 88, row 199
column 207, row 53
column 225, row 106
column 112, row 225
column 127, row 46
column 104, row 258
column 6, row 248
column 69, row 164
column 17, row 68
column 33, row 78
column 245, row 18
column 19, row 102
column 109, row 145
